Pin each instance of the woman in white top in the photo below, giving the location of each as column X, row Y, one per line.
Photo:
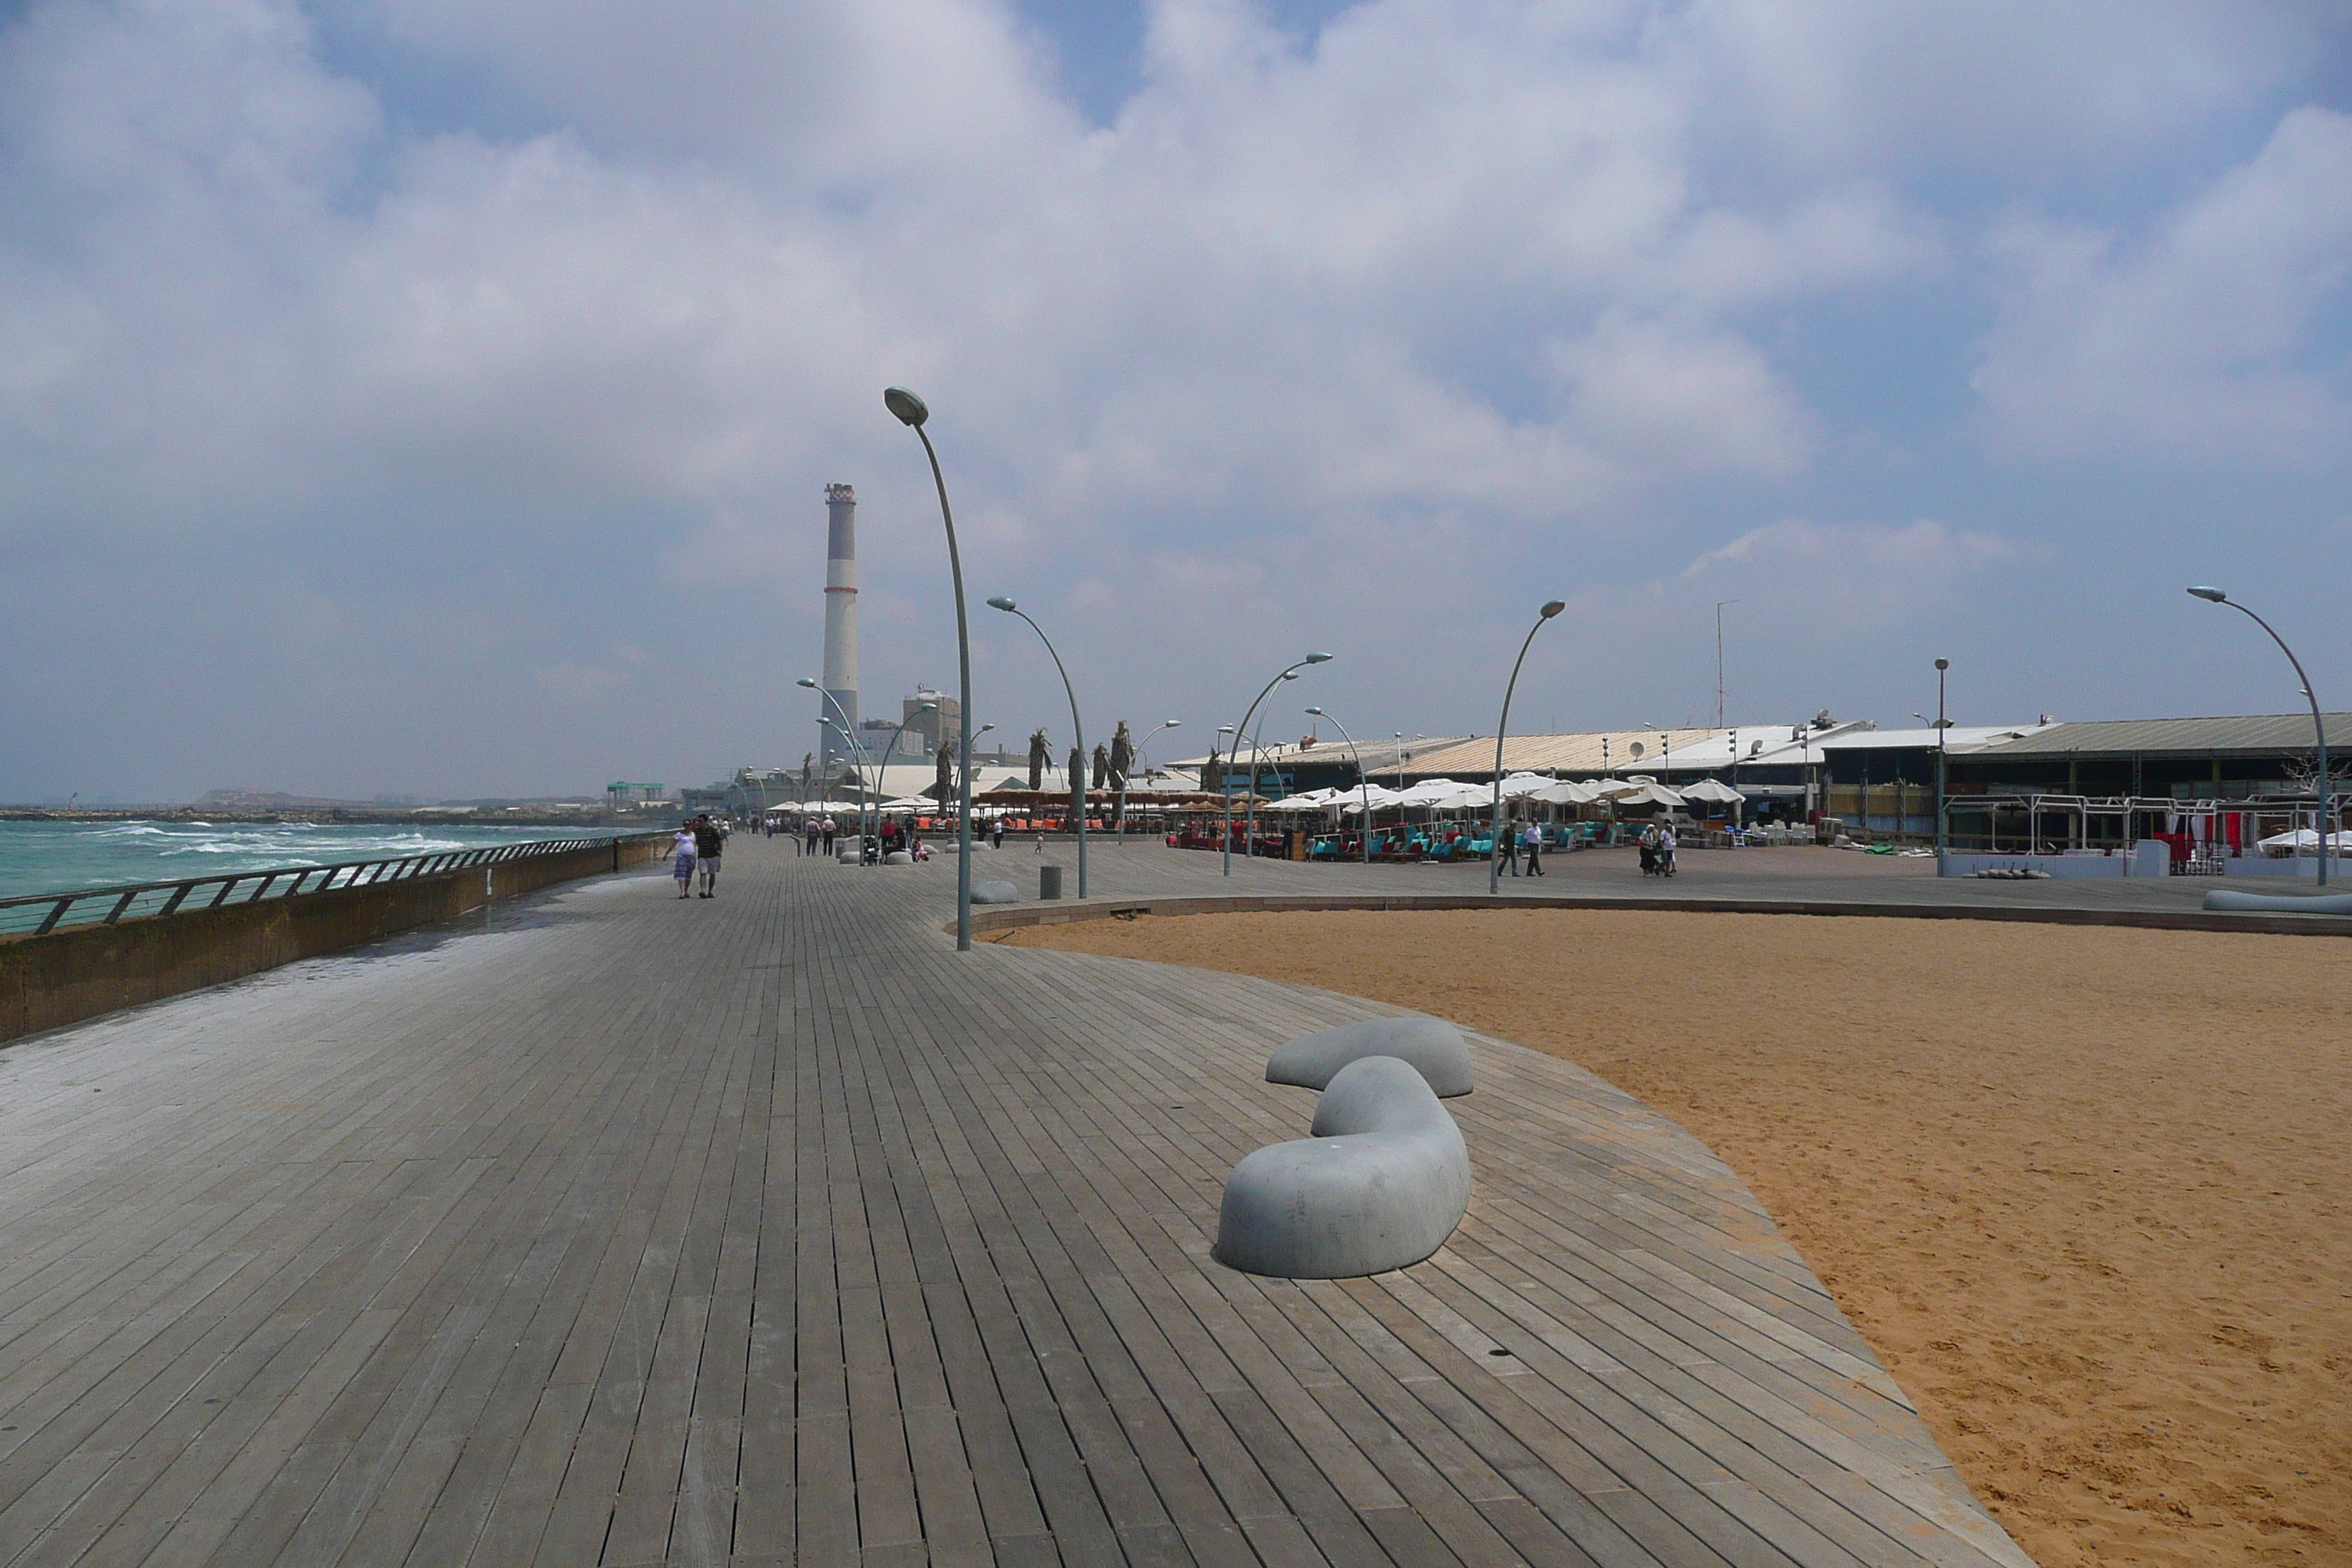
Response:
column 682, row 847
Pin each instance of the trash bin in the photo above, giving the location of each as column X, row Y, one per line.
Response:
column 1049, row 881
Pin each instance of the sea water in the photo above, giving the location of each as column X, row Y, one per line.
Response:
column 58, row 857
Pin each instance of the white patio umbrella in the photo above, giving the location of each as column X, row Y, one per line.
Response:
column 1647, row 793
column 1380, row 799
column 1519, row 787
column 1441, row 793
column 1305, row 800
column 1712, row 790
column 909, row 803
column 1567, row 791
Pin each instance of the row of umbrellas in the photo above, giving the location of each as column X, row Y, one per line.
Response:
column 1452, row 794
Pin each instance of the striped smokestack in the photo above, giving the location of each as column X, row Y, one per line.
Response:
column 840, row 622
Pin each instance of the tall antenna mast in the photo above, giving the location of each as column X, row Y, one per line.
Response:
column 1719, row 659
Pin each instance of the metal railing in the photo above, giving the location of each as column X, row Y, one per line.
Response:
column 37, row 914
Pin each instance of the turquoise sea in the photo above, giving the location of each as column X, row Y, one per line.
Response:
column 58, row 857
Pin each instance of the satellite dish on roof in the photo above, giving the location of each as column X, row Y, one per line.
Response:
column 1636, row 749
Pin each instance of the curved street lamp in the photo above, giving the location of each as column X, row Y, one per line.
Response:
column 1502, row 727
column 1241, row 730
column 882, row 770
column 1078, row 728
column 853, row 753
column 1362, row 777
column 2318, row 726
column 859, row 757
column 1249, row 829
column 1169, row 724
column 910, row 411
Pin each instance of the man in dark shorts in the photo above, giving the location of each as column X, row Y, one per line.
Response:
column 708, row 843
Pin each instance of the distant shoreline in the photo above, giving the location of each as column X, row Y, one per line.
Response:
column 358, row 816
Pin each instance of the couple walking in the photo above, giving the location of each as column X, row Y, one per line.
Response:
column 1514, row 839
column 698, row 847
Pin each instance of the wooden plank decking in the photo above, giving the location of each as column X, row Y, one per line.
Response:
column 768, row 1229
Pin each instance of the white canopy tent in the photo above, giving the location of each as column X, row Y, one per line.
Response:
column 2306, row 841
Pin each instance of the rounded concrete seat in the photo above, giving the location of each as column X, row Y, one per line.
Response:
column 1380, row 1185
column 898, row 858
column 1433, row 1044
column 2280, row 903
column 995, row 892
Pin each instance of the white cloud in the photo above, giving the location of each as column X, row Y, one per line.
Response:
column 2198, row 342
column 1845, row 577
column 1303, row 327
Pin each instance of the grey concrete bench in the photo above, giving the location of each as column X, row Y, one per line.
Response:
column 2280, row 903
column 995, row 892
column 1433, row 1044
column 1380, row 1185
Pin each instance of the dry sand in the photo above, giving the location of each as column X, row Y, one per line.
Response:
column 2083, row 1189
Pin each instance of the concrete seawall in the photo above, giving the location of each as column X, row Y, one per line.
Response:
column 83, row 970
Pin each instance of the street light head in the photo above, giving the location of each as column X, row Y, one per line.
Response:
column 2213, row 596
column 1552, row 607
column 1317, row 711
column 1002, row 603
column 1943, row 663
column 1225, row 729
column 804, row 680
column 909, row 407
column 1317, row 658
column 1289, row 674
column 1173, row 724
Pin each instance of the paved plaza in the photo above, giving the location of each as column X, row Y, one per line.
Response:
column 608, row 1228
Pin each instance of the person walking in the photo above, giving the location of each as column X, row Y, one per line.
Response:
column 996, row 834
column 827, row 829
column 1506, row 844
column 1649, row 842
column 682, row 851
column 810, row 829
column 1667, row 849
column 709, row 844
column 1535, row 848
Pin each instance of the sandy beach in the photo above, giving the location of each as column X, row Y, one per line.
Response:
column 2083, row 1189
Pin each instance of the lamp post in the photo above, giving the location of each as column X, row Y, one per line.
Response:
column 1942, row 724
column 882, row 769
column 857, row 749
column 1502, row 727
column 963, row 763
column 1167, row 724
column 1399, row 760
column 1249, row 829
column 1362, row 777
column 910, row 411
column 1242, row 729
column 2318, row 725
column 1078, row 728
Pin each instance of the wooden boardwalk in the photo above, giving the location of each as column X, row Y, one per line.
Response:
column 767, row 1229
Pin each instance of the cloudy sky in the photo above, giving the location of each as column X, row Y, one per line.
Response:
column 437, row 395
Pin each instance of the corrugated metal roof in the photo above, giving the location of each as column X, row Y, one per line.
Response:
column 1577, row 753
column 1970, row 738
column 2252, row 733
